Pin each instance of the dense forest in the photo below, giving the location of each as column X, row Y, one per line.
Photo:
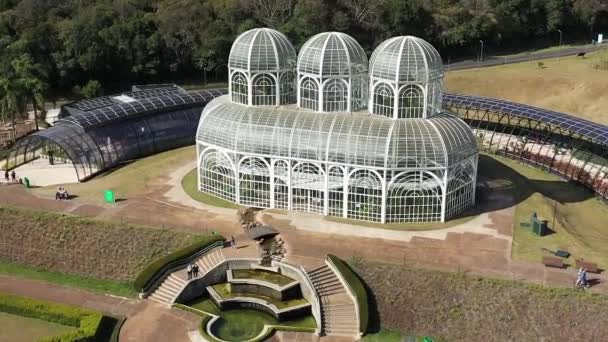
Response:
column 50, row 47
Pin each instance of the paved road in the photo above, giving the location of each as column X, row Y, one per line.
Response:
column 500, row 60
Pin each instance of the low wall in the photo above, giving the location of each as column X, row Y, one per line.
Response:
column 287, row 294
column 217, row 275
column 259, row 304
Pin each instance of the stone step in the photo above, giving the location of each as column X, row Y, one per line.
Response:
column 201, row 264
column 341, row 326
column 336, row 313
column 173, row 284
column 320, row 272
column 324, row 277
column 170, row 287
column 178, row 278
column 208, row 261
column 166, row 293
column 158, row 300
column 161, row 297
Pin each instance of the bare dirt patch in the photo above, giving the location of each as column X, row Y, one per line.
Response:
column 86, row 247
column 460, row 307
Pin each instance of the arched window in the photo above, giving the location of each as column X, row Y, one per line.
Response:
column 217, row 175
column 239, row 88
column 383, row 100
column 308, row 188
column 336, row 191
column 254, row 177
column 358, row 93
column 411, row 102
column 335, row 96
column 414, row 197
column 309, row 94
column 281, row 181
column 264, row 91
column 364, row 196
column 287, row 88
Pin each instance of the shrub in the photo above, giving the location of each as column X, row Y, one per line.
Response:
column 87, row 321
column 145, row 276
column 356, row 285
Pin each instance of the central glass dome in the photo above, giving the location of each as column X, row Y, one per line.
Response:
column 332, row 73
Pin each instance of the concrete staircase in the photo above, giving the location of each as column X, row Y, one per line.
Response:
column 338, row 312
column 168, row 291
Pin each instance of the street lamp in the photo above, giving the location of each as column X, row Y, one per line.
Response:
column 560, row 37
column 481, row 53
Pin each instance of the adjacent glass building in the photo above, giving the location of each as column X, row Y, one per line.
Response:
column 295, row 134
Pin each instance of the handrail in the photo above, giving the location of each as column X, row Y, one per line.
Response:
column 170, row 266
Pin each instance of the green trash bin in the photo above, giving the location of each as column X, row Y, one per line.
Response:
column 26, row 182
column 109, row 196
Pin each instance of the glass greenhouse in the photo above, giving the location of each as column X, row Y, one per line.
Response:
column 97, row 134
column 313, row 147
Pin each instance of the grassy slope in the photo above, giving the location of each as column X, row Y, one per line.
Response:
column 568, row 84
column 129, row 180
column 458, row 307
column 91, row 284
column 83, row 247
column 580, row 220
column 23, row 329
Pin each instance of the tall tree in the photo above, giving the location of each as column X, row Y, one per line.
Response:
column 30, row 82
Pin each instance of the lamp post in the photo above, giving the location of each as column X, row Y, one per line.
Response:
column 560, row 37
column 481, row 53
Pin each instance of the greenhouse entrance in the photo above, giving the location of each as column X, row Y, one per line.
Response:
column 43, row 163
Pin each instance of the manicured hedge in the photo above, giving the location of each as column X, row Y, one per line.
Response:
column 145, row 276
column 355, row 283
column 87, row 321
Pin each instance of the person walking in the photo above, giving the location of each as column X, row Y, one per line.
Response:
column 14, row 176
column 189, row 271
column 233, row 242
column 6, row 176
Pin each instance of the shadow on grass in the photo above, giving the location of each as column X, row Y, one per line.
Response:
column 499, row 186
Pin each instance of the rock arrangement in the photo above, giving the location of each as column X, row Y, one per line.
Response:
column 271, row 248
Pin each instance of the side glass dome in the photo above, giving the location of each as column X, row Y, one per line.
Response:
column 262, row 68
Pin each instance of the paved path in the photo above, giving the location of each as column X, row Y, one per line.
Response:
column 154, row 322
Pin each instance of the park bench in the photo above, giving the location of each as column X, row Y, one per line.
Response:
column 581, row 54
column 589, row 266
column 553, row 262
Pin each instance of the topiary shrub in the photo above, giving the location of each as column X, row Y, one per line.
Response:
column 144, row 277
column 356, row 285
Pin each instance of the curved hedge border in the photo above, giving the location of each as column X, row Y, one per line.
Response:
column 354, row 282
column 144, row 277
column 86, row 321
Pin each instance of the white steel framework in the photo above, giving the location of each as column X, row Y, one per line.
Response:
column 400, row 164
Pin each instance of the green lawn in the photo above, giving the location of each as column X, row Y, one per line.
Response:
column 128, row 180
column 270, row 277
column 15, row 328
column 89, row 284
column 190, row 185
column 225, row 292
column 580, row 219
column 241, row 325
